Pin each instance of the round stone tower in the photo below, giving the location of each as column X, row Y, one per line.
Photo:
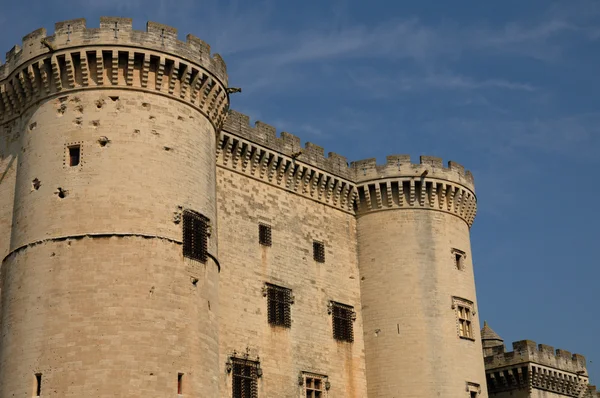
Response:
column 110, row 133
column 418, row 290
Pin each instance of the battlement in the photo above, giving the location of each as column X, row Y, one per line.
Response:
column 288, row 144
column 113, row 31
column 113, row 56
column 529, row 351
column 401, row 166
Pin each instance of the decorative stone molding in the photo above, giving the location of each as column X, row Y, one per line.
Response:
column 113, row 56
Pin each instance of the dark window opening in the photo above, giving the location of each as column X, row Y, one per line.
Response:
column 38, row 384
column 245, row 375
column 314, row 387
column 473, row 394
column 180, row 383
column 279, row 300
column 319, row 252
column 195, row 236
column 458, row 260
column 343, row 320
column 264, row 234
column 74, row 155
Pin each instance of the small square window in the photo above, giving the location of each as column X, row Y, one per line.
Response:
column 279, row 300
column 245, row 377
column 314, row 385
column 318, row 251
column 195, row 236
column 264, row 234
column 343, row 319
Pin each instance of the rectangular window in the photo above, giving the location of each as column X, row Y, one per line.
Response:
column 459, row 258
column 195, row 236
column 179, row 383
column 314, row 385
column 343, row 318
column 38, row 385
column 464, row 317
column 264, row 234
column 473, row 394
column 319, row 251
column 279, row 300
column 245, row 375
column 74, row 155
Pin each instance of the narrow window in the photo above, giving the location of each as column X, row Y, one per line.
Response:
column 459, row 258
column 315, row 385
column 38, row 384
column 318, row 251
column 279, row 300
column 264, row 234
column 195, row 236
column 245, row 375
column 74, row 155
column 343, row 318
column 473, row 394
column 180, row 383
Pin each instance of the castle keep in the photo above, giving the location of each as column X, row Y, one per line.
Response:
column 155, row 244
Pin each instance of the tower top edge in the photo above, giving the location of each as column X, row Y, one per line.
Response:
column 396, row 166
column 113, row 31
column 401, row 166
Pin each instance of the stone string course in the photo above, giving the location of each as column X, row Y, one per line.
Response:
column 114, row 55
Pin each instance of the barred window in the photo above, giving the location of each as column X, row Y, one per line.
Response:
column 319, row 251
column 245, row 375
column 264, row 234
column 195, row 236
column 279, row 300
column 343, row 318
column 314, row 385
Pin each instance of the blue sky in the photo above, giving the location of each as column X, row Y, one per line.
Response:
column 509, row 89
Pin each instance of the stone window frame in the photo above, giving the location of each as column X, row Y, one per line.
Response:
column 458, row 258
column 67, row 156
column 457, row 304
column 473, row 388
column 322, row 390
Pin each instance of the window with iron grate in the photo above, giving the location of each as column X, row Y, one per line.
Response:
column 245, row 376
column 314, row 386
column 195, row 236
column 264, row 234
column 279, row 302
column 343, row 319
column 319, row 251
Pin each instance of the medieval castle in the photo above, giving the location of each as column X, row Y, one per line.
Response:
column 154, row 244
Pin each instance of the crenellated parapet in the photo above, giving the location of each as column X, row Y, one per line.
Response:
column 402, row 184
column 530, row 365
column 361, row 187
column 113, row 56
column 275, row 162
column 266, row 135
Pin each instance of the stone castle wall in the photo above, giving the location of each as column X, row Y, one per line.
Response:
column 96, row 295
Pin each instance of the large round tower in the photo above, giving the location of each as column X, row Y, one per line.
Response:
column 418, row 290
column 110, row 135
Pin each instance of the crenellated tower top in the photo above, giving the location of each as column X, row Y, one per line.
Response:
column 113, row 31
column 76, row 57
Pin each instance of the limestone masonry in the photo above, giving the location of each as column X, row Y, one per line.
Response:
column 155, row 244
